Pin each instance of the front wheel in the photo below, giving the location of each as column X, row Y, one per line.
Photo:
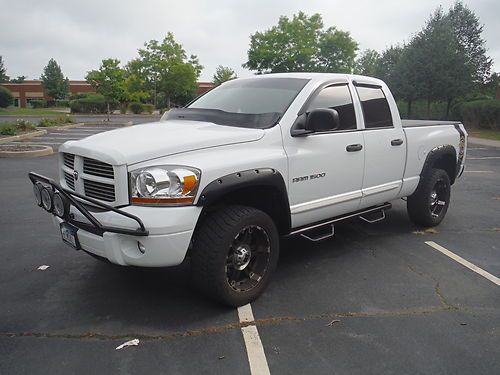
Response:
column 235, row 251
column 428, row 205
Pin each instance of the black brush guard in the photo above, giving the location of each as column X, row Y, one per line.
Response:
column 94, row 226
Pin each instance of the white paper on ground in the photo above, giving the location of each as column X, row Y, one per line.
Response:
column 43, row 268
column 133, row 342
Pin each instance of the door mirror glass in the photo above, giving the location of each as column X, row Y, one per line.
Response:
column 322, row 119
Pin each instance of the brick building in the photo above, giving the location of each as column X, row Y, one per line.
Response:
column 30, row 90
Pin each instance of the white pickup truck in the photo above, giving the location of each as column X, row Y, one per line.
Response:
column 221, row 180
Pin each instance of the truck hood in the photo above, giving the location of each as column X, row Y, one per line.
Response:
column 144, row 142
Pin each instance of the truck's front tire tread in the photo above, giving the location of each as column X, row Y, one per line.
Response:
column 211, row 243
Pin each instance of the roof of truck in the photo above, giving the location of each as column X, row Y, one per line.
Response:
column 319, row 76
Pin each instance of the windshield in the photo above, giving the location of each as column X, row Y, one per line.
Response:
column 252, row 96
column 255, row 103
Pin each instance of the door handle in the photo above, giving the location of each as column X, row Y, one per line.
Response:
column 353, row 148
column 396, row 142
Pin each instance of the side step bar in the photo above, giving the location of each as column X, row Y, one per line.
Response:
column 370, row 215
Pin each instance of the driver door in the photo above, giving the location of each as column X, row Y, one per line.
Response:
column 326, row 168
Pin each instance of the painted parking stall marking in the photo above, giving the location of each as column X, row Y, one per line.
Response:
column 495, row 280
column 255, row 351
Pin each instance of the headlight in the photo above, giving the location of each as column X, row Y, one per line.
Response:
column 165, row 184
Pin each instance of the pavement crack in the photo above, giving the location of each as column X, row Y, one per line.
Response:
column 230, row 326
column 437, row 290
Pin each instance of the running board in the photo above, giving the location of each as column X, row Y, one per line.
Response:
column 361, row 214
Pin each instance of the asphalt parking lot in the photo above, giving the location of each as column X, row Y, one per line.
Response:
column 374, row 299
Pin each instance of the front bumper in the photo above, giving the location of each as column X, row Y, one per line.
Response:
column 115, row 233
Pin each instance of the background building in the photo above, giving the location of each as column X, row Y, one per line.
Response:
column 30, row 90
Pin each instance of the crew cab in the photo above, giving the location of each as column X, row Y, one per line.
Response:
column 253, row 160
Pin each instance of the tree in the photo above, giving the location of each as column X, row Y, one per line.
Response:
column 3, row 72
column 19, row 79
column 301, row 44
column 368, row 63
column 165, row 68
column 109, row 81
column 54, row 83
column 468, row 31
column 223, row 74
column 6, row 97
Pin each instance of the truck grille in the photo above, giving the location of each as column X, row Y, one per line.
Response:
column 69, row 160
column 69, row 180
column 99, row 190
column 97, row 168
column 89, row 177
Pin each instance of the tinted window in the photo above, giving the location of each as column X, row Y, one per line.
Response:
column 338, row 98
column 252, row 96
column 375, row 107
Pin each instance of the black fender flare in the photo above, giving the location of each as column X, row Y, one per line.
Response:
column 437, row 153
column 251, row 178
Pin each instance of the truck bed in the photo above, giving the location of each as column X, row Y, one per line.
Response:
column 416, row 123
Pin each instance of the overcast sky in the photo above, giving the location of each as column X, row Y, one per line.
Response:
column 79, row 34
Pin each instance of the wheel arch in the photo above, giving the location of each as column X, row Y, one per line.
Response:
column 442, row 157
column 262, row 188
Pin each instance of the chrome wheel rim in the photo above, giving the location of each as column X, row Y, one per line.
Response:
column 437, row 199
column 248, row 258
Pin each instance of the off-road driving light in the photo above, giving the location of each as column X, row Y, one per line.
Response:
column 47, row 201
column 61, row 206
column 37, row 191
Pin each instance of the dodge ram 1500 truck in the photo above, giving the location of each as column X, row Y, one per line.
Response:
column 221, row 180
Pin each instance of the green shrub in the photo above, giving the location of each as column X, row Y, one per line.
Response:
column 24, row 125
column 6, row 97
column 8, row 129
column 149, row 108
column 136, row 107
column 60, row 120
column 92, row 103
column 163, row 110
column 62, row 103
column 38, row 103
column 123, row 109
column 482, row 113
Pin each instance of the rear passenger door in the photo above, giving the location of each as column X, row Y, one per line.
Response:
column 385, row 147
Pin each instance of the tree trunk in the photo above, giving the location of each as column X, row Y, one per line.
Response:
column 448, row 106
column 168, row 102
column 108, row 110
column 408, row 110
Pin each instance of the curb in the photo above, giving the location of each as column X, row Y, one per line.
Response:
column 46, row 150
column 23, row 136
column 61, row 127
column 110, row 123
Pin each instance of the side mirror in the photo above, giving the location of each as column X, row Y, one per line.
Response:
column 322, row 119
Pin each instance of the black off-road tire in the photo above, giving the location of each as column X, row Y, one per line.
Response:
column 428, row 205
column 213, row 242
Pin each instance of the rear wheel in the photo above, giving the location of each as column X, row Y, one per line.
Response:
column 428, row 205
column 235, row 251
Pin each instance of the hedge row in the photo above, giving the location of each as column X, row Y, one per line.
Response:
column 92, row 103
column 483, row 114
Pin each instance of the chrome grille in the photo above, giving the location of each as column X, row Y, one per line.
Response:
column 99, row 190
column 68, row 177
column 69, row 160
column 97, row 168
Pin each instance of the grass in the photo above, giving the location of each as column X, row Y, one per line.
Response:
column 14, row 111
column 486, row 134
